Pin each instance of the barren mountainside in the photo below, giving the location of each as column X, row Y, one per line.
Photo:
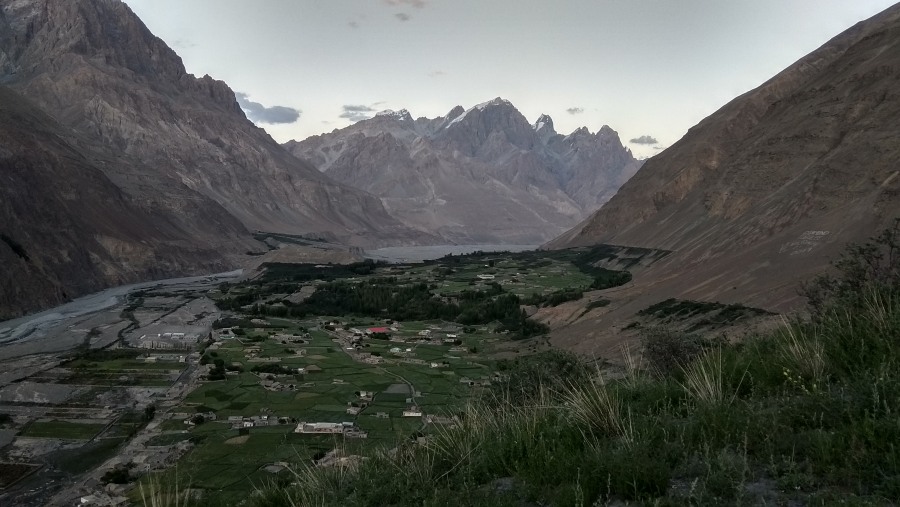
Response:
column 175, row 149
column 482, row 175
column 68, row 229
column 765, row 191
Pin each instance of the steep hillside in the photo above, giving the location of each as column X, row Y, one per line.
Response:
column 482, row 175
column 759, row 195
column 174, row 149
column 98, row 69
column 67, row 229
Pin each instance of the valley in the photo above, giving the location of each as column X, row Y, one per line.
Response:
column 212, row 378
column 206, row 300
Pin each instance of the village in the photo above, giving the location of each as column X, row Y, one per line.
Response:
column 231, row 396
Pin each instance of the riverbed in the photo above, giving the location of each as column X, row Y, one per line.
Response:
column 43, row 324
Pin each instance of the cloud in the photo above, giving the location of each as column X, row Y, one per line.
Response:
column 353, row 24
column 644, row 140
column 258, row 113
column 355, row 113
column 418, row 4
column 402, row 16
column 575, row 110
column 184, row 44
column 437, row 73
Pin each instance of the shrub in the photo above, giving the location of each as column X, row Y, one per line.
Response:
column 667, row 352
column 524, row 378
column 874, row 265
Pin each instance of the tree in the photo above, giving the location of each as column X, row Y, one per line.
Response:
column 874, row 265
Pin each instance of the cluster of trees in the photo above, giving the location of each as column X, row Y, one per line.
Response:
column 554, row 298
column 307, row 272
column 272, row 368
column 383, row 298
column 218, row 370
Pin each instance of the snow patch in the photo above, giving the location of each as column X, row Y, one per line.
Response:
column 494, row 102
column 402, row 114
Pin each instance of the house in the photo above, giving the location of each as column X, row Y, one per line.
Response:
column 354, row 410
column 320, row 427
column 412, row 412
column 486, row 277
column 377, row 330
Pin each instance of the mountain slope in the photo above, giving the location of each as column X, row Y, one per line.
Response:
column 114, row 118
column 67, row 229
column 482, row 175
column 100, row 71
column 762, row 193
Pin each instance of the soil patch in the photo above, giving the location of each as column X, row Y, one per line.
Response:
column 240, row 440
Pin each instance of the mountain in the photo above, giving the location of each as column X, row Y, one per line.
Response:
column 477, row 175
column 130, row 157
column 764, row 192
column 67, row 229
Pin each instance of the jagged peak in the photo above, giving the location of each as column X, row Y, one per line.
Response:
column 544, row 122
column 455, row 112
column 402, row 114
column 580, row 131
column 607, row 130
column 498, row 101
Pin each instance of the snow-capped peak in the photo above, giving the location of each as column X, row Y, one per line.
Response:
column 481, row 107
column 402, row 114
column 543, row 122
column 493, row 102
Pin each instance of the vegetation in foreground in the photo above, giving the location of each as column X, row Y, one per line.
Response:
column 808, row 414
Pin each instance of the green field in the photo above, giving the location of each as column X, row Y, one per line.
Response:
column 125, row 370
column 436, row 364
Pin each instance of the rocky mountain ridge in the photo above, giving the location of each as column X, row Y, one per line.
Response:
column 478, row 175
column 176, row 151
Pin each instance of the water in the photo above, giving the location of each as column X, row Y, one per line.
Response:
column 397, row 254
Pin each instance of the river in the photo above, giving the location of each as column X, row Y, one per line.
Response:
column 37, row 324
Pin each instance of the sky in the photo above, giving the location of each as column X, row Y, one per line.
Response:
column 650, row 69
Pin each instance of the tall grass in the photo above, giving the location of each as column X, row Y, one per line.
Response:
column 703, row 379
